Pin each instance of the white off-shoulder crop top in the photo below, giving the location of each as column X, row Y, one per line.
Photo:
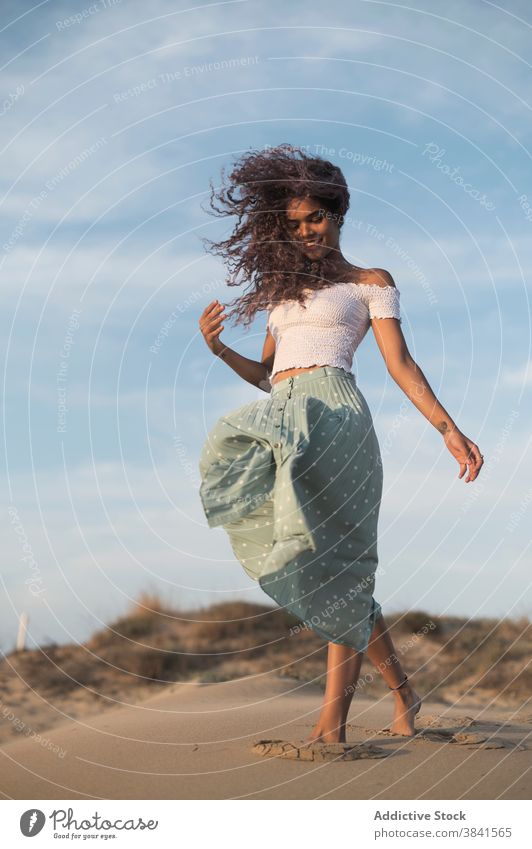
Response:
column 331, row 327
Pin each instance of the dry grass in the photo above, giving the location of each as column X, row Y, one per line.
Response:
column 153, row 646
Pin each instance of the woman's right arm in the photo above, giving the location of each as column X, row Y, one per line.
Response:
column 249, row 370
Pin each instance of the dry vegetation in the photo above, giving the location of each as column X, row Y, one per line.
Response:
column 153, row 647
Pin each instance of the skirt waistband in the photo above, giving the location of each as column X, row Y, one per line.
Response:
column 287, row 384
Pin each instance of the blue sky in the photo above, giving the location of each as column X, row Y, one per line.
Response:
column 114, row 117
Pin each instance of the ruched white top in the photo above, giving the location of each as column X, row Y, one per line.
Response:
column 331, row 327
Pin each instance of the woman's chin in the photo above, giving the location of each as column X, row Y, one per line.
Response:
column 316, row 253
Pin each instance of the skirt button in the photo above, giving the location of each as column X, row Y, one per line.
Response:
column 276, row 444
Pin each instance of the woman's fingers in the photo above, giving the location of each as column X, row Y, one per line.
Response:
column 211, row 323
column 467, row 455
column 211, row 317
column 215, row 314
column 210, row 310
column 206, row 313
column 474, row 460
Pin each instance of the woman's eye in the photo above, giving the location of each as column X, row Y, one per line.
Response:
column 316, row 219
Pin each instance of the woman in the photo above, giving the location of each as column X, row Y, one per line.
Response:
column 296, row 480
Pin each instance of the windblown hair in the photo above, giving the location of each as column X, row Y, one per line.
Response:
column 260, row 249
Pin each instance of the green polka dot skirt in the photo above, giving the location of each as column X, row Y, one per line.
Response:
column 296, row 482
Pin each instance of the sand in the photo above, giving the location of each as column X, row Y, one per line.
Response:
column 195, row 741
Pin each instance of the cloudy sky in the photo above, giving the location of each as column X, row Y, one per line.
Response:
column 114, row 116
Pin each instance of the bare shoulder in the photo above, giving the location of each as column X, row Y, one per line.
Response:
column 371, row 277
column 379, row 277
column 376, row 276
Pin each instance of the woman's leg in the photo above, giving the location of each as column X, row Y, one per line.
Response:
column 343, row 669
column 381, row 652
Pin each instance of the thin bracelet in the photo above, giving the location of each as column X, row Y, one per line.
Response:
column 223, row 353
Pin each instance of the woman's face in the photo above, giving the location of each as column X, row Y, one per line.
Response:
column 312, row 227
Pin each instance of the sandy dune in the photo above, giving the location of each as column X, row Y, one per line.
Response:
column 195, row 742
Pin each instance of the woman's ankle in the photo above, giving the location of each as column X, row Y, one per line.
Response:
column 403, row 688
column 330, row 720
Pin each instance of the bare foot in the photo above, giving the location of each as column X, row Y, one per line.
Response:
column 327, row 732
column 407, row 705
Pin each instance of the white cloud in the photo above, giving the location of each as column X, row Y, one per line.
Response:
column 518, row 377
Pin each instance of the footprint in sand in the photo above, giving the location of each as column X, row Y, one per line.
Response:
column 460, row 730
column 301, row 751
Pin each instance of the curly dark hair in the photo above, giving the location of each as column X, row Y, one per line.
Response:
column 260, row 248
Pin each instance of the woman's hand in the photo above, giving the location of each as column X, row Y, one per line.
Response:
column 466, row 452
column 210, row 327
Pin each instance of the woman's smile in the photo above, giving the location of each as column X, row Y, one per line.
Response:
column 311, row 227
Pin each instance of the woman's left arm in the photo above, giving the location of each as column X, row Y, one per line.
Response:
column 408, row 375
